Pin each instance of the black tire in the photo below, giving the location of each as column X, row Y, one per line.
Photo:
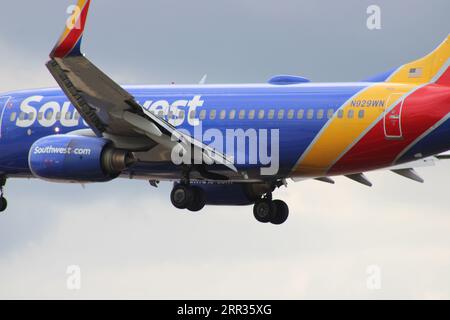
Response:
column 199, row 200
column 181, row 196
column 264, row 210
column 3, row 204
column 282, row 212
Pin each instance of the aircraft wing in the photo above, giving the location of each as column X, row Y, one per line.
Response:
column 108, row 108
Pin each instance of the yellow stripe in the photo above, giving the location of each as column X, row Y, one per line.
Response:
column 427, row 67
column 342, row 133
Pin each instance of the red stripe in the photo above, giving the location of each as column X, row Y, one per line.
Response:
column 66, row 47
column 445, row 78
column 421, row 110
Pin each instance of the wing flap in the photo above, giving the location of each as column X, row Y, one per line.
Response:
column 99, row 100
column 109, row 109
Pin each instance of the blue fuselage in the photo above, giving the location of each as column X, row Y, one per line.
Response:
column 295, row 113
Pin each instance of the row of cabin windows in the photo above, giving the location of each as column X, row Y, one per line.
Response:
column 282, row 114
column 309, row 114
column 48, row 116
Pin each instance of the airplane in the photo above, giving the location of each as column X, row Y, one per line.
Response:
column 228, row 145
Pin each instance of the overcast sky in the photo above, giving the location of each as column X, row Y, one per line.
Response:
column 130, row 242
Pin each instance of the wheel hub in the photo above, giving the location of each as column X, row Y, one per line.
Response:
column 263, row 210
column 179, row 196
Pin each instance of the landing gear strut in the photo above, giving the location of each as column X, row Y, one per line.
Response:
column 184, row 196
column 265, row 210
column 3, row 202
column 273, row 211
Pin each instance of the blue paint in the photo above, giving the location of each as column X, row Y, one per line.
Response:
column 67, row 158
column 294, row 134
column 287, row 79
column 381, row 77
column 437, row 141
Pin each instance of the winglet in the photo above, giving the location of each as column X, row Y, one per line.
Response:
column 69, row 43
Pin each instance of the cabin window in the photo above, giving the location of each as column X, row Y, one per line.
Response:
column 271, row 114
column 261, row 114
column 340, row 114
column 161, row 114
column 212, row 114
column 291, row 114
column 351, row 114
column 242, row 114
column 251, row 114
column 310, row 114
column 202, row 114
column 330, row 113
column 223, row 114
column 320, row 113
column 13, row 116
column 300, row 114
column 68, row 115
column 49, row 115
column 361, row 114
column 181, row 114
column 192, row 114
column 281, row 114
column 232, row 114
column 77, row 116
column 58, row 116
column 25, row 116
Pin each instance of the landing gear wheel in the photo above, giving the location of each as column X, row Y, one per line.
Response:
column 3, row 204
column 264, row 210
column 198, row 201
column 181, row 196
column 282, row 212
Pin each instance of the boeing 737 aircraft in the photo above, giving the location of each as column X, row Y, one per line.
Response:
column 223, row 144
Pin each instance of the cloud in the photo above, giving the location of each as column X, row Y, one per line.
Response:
column 130, row 243
column 20, row 70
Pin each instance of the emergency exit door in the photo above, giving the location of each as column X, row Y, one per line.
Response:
column 393, row 116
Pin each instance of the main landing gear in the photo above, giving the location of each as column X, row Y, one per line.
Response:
column 3, row 202
column 265, row 210
column 274, row 211
column 184, row 196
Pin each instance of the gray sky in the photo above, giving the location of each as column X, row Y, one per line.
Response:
column 130, row 242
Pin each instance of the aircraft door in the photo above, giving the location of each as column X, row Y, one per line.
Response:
column 392, row 121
